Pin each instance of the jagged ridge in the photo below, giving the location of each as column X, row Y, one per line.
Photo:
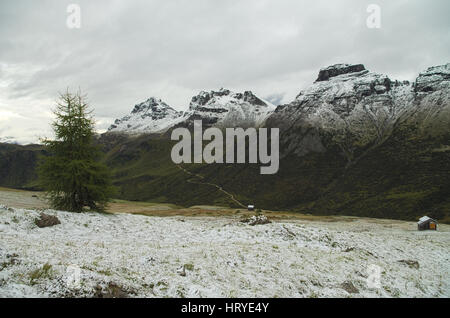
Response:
column 356, row 108
column 222, row 108
column 225, row 108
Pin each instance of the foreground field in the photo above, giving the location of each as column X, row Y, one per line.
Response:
column 126, row 255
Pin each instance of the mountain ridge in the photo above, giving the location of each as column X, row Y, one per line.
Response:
column 220, row 108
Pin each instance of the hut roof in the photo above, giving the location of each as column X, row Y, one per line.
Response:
column 424, row 219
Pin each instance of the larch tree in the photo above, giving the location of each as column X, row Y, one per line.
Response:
column 71, row 173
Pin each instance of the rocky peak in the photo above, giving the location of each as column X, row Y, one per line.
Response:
column 338, row 69
column 227, row 108
column 213, row 97
column 347, row 85
column 434, row 78
column 150, row 116
column 152, row 104
column 359, row 108
column 251, row 98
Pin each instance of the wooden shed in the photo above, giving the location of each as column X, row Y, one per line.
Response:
column 426, row 223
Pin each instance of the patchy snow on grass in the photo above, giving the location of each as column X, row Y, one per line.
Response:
column 140, row 256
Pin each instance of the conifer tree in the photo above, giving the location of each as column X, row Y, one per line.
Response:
column 71, row 173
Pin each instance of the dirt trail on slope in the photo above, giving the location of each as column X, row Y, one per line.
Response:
column 230, row 195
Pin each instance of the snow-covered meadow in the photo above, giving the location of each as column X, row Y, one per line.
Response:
column 142, row 256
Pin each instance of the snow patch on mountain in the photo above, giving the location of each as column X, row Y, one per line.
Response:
column 356, row 107
column 225, row 108
column 222, row 108
column 151, row 116
column 8, row 140
column 348, row 101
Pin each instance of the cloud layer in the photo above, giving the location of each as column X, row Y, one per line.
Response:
column 127, row 51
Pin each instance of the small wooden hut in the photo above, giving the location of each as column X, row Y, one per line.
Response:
column 426, row 223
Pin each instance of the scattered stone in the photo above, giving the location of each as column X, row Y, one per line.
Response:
column 46, row 220
column 289, row 232
column 410, row 263
column 182, row 270
column 369, row 253
column 256, row 219
column 112, row 290
column 11, row 259
column 349, row 287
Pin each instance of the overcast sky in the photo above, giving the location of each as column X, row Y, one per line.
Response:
column 127, row 51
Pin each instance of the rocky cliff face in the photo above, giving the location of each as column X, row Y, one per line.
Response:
column 151, row 116
column 347, row 105
column 338, row 69
column 430, row 111
column 357, row 109
column 225, row 108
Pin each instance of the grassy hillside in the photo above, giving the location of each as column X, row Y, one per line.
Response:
column 18, row 165
column 404, row 178
column 144, row 171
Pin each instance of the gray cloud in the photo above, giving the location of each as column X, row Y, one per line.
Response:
column 127, row 51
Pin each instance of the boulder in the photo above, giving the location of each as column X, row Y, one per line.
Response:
column 256, row 220
column 410, row 263
column 349, row 287
column 46, row 220
column 111, row 290
column 181, row 271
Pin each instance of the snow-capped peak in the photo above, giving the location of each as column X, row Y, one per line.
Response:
column 222, row 108
column 359, row 108
column 226, row 108
column 150, row 116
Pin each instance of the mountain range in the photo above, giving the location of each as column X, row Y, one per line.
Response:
column 222, row 108
column 355, row 142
